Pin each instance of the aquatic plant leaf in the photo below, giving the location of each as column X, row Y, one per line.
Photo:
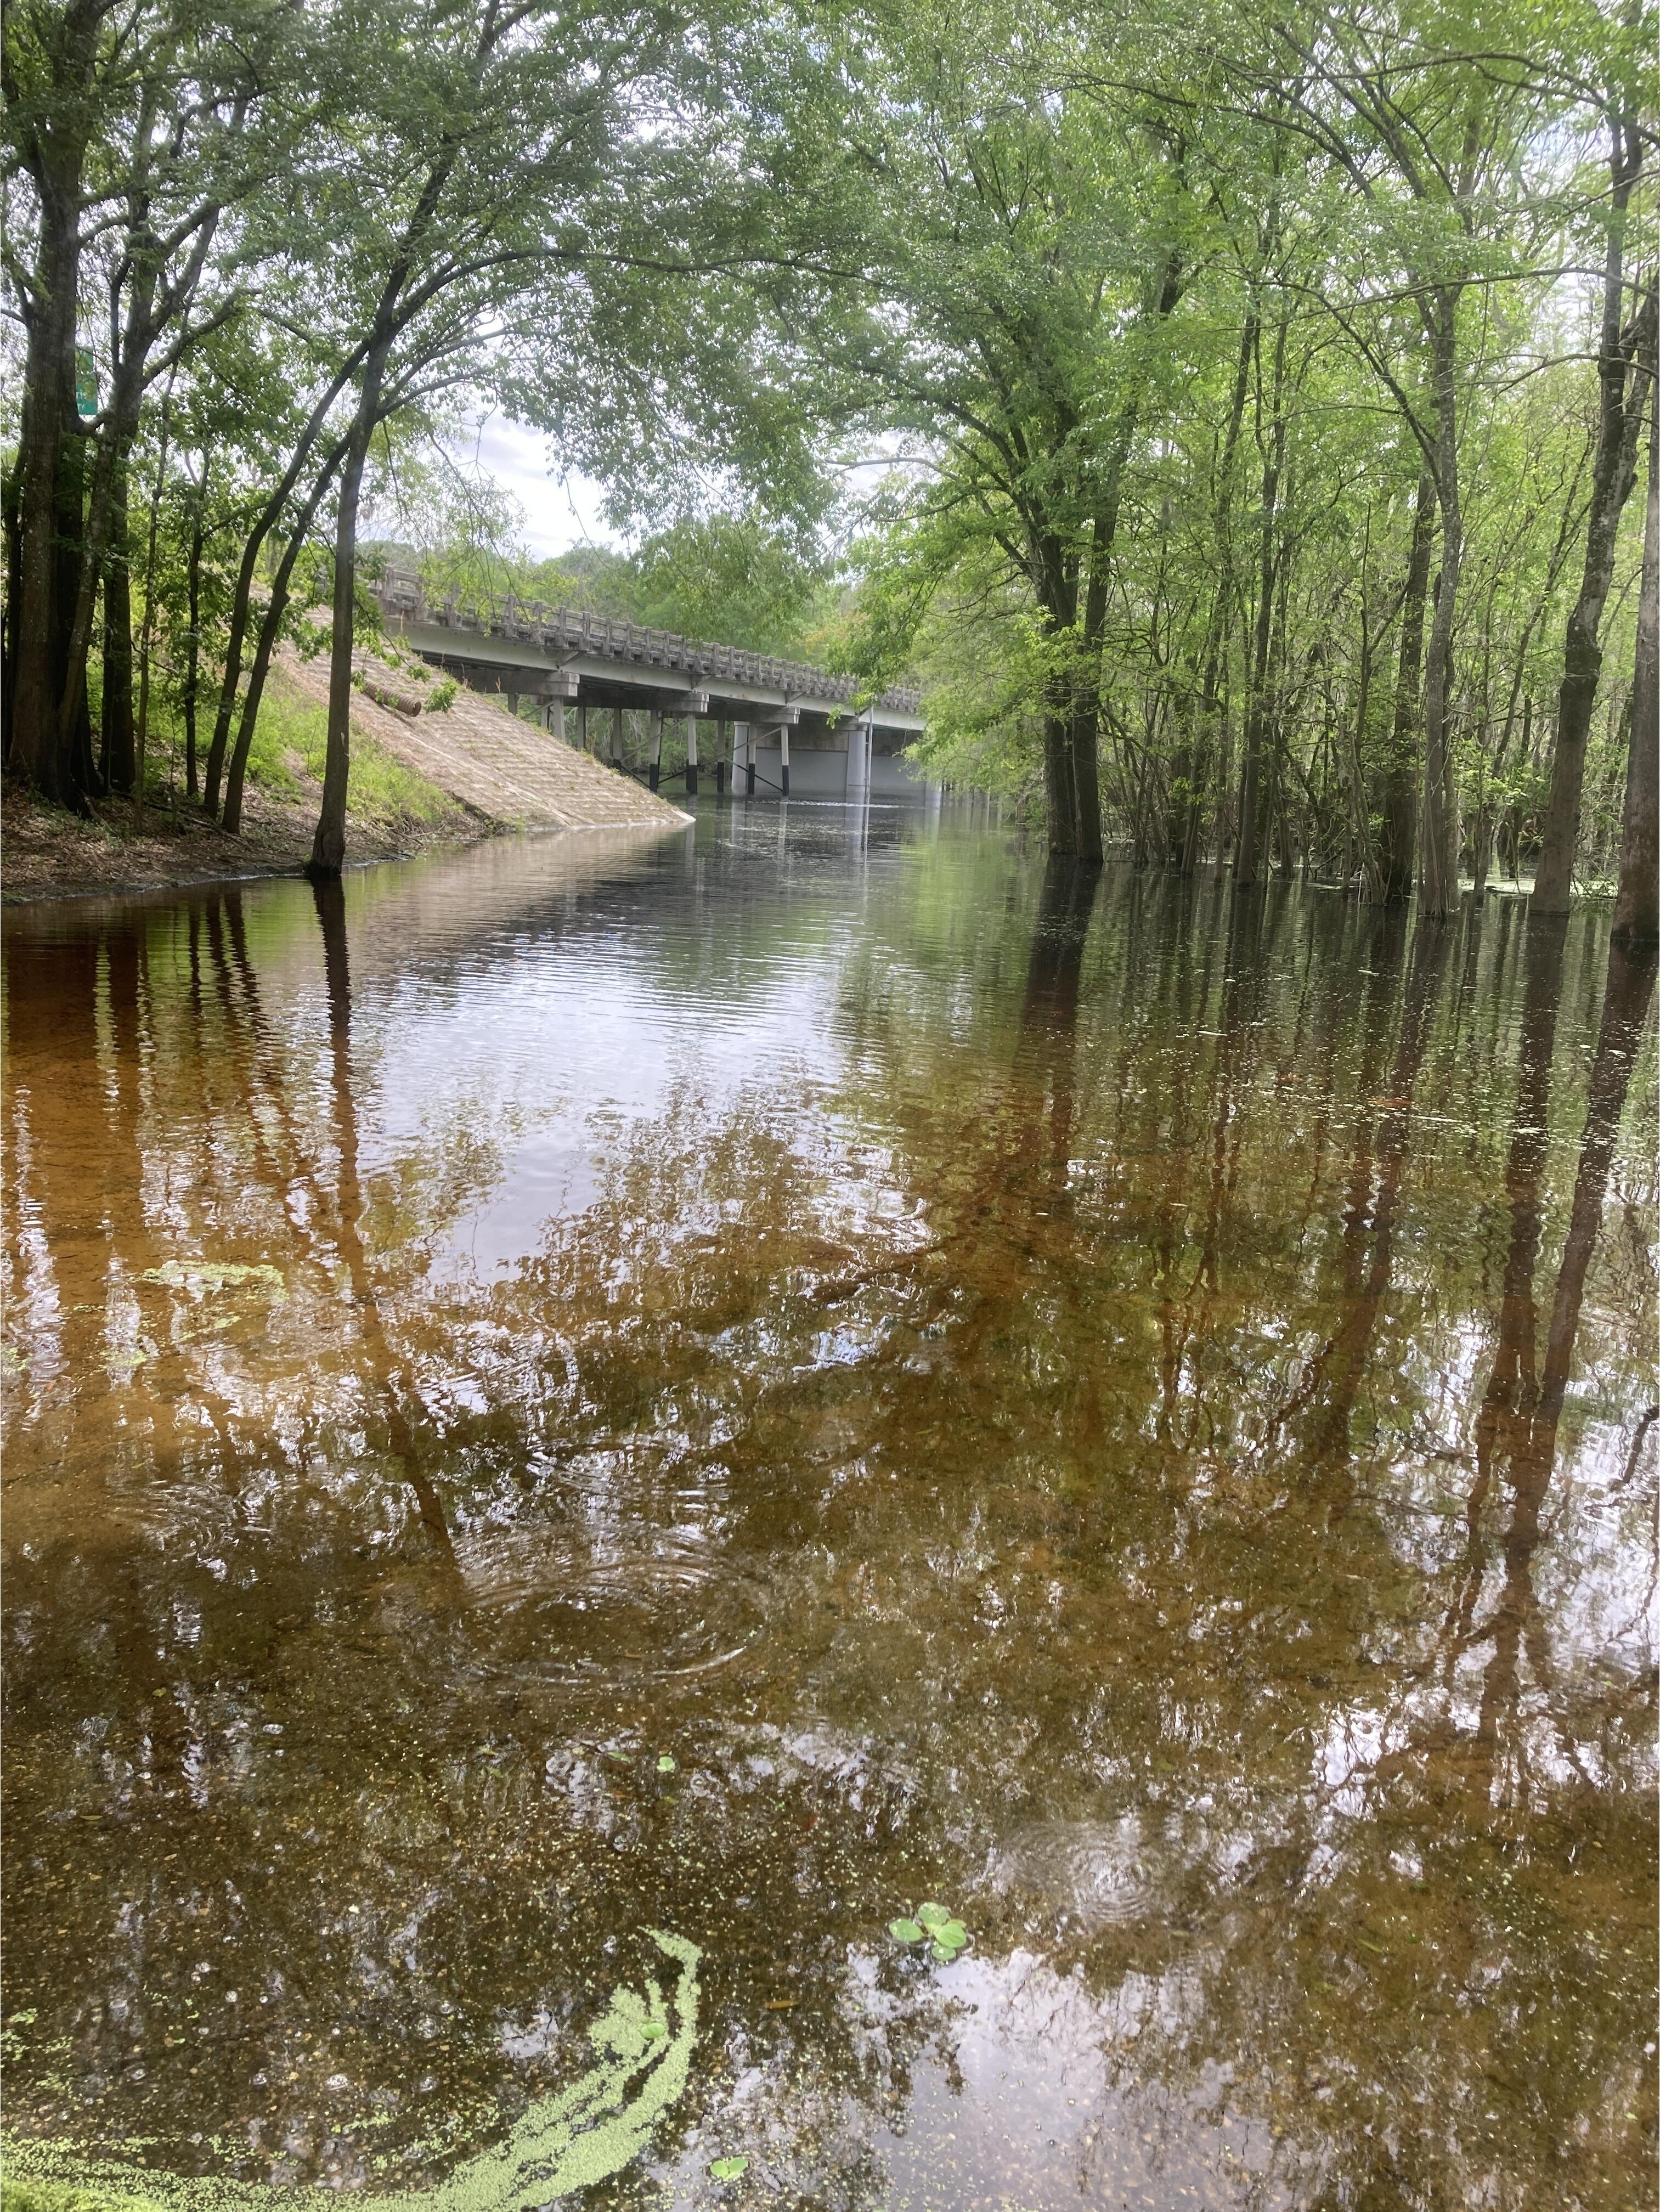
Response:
column 905, row 1931
column 665, row 1765
column 932, row 1916
column 952, row 1934
column 563, row 2143
column 727, row 2169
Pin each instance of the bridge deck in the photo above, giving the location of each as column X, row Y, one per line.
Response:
column 564, row 653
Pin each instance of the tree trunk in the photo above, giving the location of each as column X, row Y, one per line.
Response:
column 1187, row 804
column 1398, row 837
column 1624, row 372
column 193, row 615
column 328, row 850
column 1056, row 579
column 1636, row 907
column 270, row 630
column 242, row 598
column 1247, row 852
column 49, row 449
column 1440, row 887
column 117, row 756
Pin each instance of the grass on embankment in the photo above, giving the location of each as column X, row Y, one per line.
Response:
column 290, row 744
column 390, row 809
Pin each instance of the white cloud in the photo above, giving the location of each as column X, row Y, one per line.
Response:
column 560, row 511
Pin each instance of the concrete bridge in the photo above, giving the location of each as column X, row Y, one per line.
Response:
column 776, row 728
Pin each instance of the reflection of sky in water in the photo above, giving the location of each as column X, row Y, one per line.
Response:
column 1008, row 1424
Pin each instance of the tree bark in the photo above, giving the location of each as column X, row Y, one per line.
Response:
column 328, row 850
column 1247, row 850
column 193, row 616
column 1619, row 410
column 116, row 760
column 270, row 628
column 49, row 457
column 242, row 596
column 1624, row 371
column 1441, row 856
column 1637, row 906
column 1193, row 771
column 1397, row 842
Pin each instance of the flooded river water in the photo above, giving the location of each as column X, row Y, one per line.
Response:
column 735, row 1384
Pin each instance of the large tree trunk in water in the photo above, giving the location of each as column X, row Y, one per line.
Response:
column 1624, row 373
column 1058, row 801
column 1056, row 581
column 117, row 756
column 1440, row 849
column 1247, row 850
column 1194, row 771
column 328, row 850
column 1637, row 908
column 1397, row 842
column 1084, row 737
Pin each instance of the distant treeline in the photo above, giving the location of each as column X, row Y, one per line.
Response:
column 1232, row 419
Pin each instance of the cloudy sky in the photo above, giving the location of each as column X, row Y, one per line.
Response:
column 558, row 513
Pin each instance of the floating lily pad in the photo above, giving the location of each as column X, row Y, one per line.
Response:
column 727, row 2169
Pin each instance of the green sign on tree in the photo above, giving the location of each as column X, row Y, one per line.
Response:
column 86, row 381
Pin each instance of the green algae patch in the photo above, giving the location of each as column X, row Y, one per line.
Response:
column 65, row 2196
column 589, row 2130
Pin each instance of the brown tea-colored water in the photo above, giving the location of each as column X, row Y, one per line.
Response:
column 1117, row 1409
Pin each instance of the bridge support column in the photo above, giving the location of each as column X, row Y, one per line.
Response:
column 581, row 727
column 720, row 759
column 616, row 738
column 784, row 759
column 692, row 755
column 859, row 741
column 656, row 773
column 749, row 760
column 557, row 718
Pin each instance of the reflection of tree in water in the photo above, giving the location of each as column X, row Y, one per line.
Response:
column 1057, row 1588
column 1522, row 1408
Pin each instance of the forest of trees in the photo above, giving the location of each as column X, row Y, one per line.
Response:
column 1231, row 419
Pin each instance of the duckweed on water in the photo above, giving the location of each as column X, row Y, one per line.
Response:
column 943, row 1933
column 644, row 2046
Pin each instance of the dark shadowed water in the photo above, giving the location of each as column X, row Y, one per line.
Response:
column 1122, row 1411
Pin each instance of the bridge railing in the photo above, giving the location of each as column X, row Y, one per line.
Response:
column 572, row 630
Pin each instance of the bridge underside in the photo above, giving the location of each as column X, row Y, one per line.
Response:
column 751, row 737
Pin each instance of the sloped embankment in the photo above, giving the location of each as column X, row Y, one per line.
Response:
column 505, row 770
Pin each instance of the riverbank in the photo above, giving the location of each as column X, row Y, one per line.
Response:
column 419, row 782
column 46, row 852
